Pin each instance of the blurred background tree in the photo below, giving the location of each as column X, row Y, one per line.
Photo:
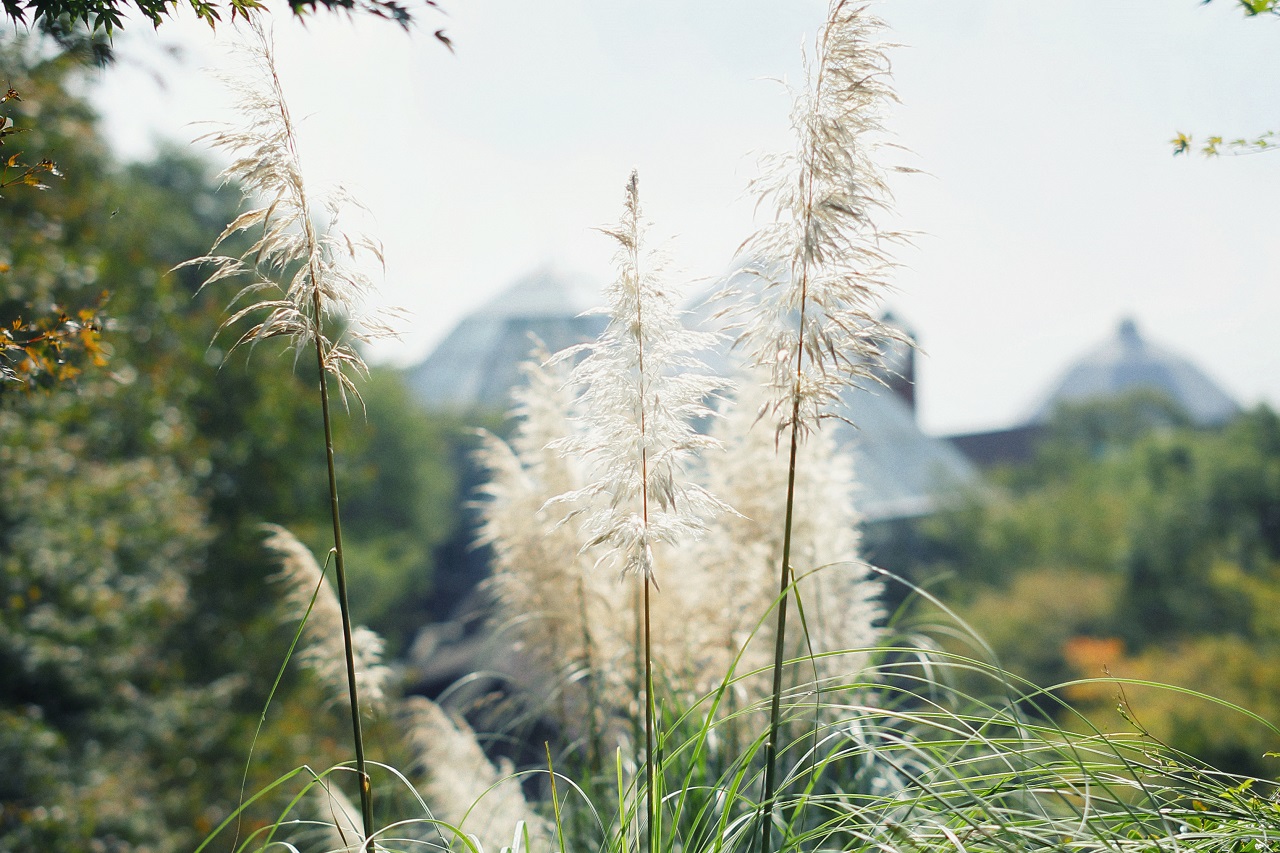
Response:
column 1139, row 544
column 139, row 634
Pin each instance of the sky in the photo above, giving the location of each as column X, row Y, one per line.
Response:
column 1048, row 206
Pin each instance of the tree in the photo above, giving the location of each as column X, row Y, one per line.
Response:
column 133, row 581
column 1154, row 553
column 87, row 25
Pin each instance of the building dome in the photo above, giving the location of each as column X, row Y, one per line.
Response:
column 478, row 363
column 1128, row 362
column 899, row 469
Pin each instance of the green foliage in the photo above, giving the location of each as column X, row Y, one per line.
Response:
column 97, row 554
column 1136, row 543
column 108, row 15
column 104, row 526
column 135, row 602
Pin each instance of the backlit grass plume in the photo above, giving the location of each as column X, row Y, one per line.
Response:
column 303, row 285
column 746, row 546
column 462, row 787
column 309, row 598
column 642, row 388
column 567, row 623
column 821, row 264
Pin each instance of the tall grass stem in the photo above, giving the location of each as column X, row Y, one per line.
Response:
column 785, row 581
column 366, row 789
column 651, row 805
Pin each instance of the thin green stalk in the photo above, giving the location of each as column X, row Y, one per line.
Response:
column 366, row 789
column 651, row 809
column 780, row 639
column 648, row 724
column 648, row 637
column 785, row 575
column 555, row 798
column 637, row 605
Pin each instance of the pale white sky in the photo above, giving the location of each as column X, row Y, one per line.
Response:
column 1052, row 206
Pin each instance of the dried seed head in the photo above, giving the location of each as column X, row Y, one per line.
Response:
column 462, row 788
column 805, row 302
column 308, row 596
column 305, row 284
column 642, row 388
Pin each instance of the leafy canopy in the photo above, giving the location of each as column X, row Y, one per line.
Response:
column 1138, row 546
column 106, row 16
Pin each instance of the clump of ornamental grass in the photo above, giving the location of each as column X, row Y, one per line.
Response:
column 642, row 387
column 746, row 546
column 567, row 498
column 304, row 284
column 572, row 627
column 821, row 267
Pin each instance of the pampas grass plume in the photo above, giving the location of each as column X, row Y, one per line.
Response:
column 462, row 787
column 642, row 388
column 323, row 650
column 810, row 318
column 324, row 288
column 566, row 622
column 746, row 546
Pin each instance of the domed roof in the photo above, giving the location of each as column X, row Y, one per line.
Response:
column 899, row 468
column 478, row 363
column 545, row 292
column 1128, row 362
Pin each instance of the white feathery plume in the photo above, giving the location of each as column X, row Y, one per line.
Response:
column 821, row 267
column 461, row 786
column 752, row 472
column 543, row 407
column 323, row 650
column 324, row 289
column 642, row 386
column 567, row 622
column 751, row 475
column 811, row 319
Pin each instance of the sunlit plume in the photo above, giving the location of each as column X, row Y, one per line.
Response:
column 309, row 597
